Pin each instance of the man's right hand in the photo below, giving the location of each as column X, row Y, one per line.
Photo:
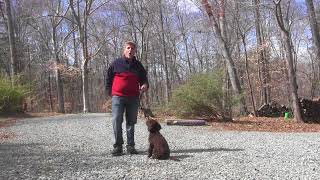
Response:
column 143, row 88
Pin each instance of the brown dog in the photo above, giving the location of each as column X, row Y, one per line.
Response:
column 158, row 146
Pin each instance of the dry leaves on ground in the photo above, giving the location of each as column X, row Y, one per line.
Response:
column 9, row 120
column 6, row 122
column 265, row 124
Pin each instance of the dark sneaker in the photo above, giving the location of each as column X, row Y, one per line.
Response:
column 131, row 150
column 117, row 151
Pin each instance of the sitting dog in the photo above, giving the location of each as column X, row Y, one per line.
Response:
column 158, row 146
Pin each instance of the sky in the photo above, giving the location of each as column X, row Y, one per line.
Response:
column 189, row 5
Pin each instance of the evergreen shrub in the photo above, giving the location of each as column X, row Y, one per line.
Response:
column 11, row 98
column 200, row 96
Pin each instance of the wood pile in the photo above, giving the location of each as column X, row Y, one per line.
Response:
column 310, row 110
column 272, row 110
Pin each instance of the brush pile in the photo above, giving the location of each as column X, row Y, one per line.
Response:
column 272, row 110
column 310, row 110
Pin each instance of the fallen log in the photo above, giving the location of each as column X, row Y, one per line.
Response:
column 186, row 122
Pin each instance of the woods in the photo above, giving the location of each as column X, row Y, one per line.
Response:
column 269, row 50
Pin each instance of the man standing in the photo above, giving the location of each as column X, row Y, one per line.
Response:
column 126, row 79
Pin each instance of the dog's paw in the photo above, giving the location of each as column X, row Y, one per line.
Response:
column 151, row 157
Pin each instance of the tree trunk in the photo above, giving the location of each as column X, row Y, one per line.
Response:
column 50, row 93
column 82, row 29
column 59, row 82
column 11, row 42
column 315, row 34
column 292, row 78
column 200, row 57
column 75, row 47
column 165, row 60
column 248, row 77
column 262, row 60
column 285, row 33
column 84, row 67
column 222, row 44
column 185, row 41
column 312, row 78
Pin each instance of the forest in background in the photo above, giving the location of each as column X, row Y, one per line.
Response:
column 269, row 49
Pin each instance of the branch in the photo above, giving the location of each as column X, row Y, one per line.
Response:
column 278, row 14
column 61, row 16
column 64, row 39
column 98, row 7
column 40, row 33
column 64, row 14
column 209, row 11
column 88, row 7
column 76, row 16
column 292, row 14
column 99, row 49
column 2, row 14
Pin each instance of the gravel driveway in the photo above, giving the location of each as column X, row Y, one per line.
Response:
column 78, row 147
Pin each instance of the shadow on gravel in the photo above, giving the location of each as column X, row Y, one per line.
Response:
column 180, row 157
column 173, row 156
column 145, row 153
column 37, row 160
column 184, row 156
column 204, row 150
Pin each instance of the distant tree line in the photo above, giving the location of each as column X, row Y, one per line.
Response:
column 269, row 49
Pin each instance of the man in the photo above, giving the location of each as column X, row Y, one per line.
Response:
column 126, row 79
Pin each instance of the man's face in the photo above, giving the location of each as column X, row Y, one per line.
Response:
column 129, row 51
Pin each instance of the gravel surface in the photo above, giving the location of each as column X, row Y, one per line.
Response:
column 78, row 147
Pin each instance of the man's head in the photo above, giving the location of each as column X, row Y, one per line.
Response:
column 129, row 49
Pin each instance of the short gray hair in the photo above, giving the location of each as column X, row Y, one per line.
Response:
column 131, row 43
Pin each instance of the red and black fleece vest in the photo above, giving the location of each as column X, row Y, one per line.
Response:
column 124, row 77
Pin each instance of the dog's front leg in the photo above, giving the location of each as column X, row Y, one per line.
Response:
column 150, row 150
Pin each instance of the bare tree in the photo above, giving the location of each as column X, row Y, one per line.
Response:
column 55, row 20
column 284, row 27
column 12, row 43
column 56, row 14
column 243, row 29
column 173, row 41
column 262, row 59
column 315, row 34
column 164, row 57
column 82, row 24
column 184, row 33
column 82, row 21
column 217, row 18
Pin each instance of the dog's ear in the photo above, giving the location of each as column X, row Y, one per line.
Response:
column 150, row 124
column 157, row 126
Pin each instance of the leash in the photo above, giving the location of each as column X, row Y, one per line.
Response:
column 140, row 97
column 147, row 113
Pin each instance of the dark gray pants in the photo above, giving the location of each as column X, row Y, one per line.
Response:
column 120, row 106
